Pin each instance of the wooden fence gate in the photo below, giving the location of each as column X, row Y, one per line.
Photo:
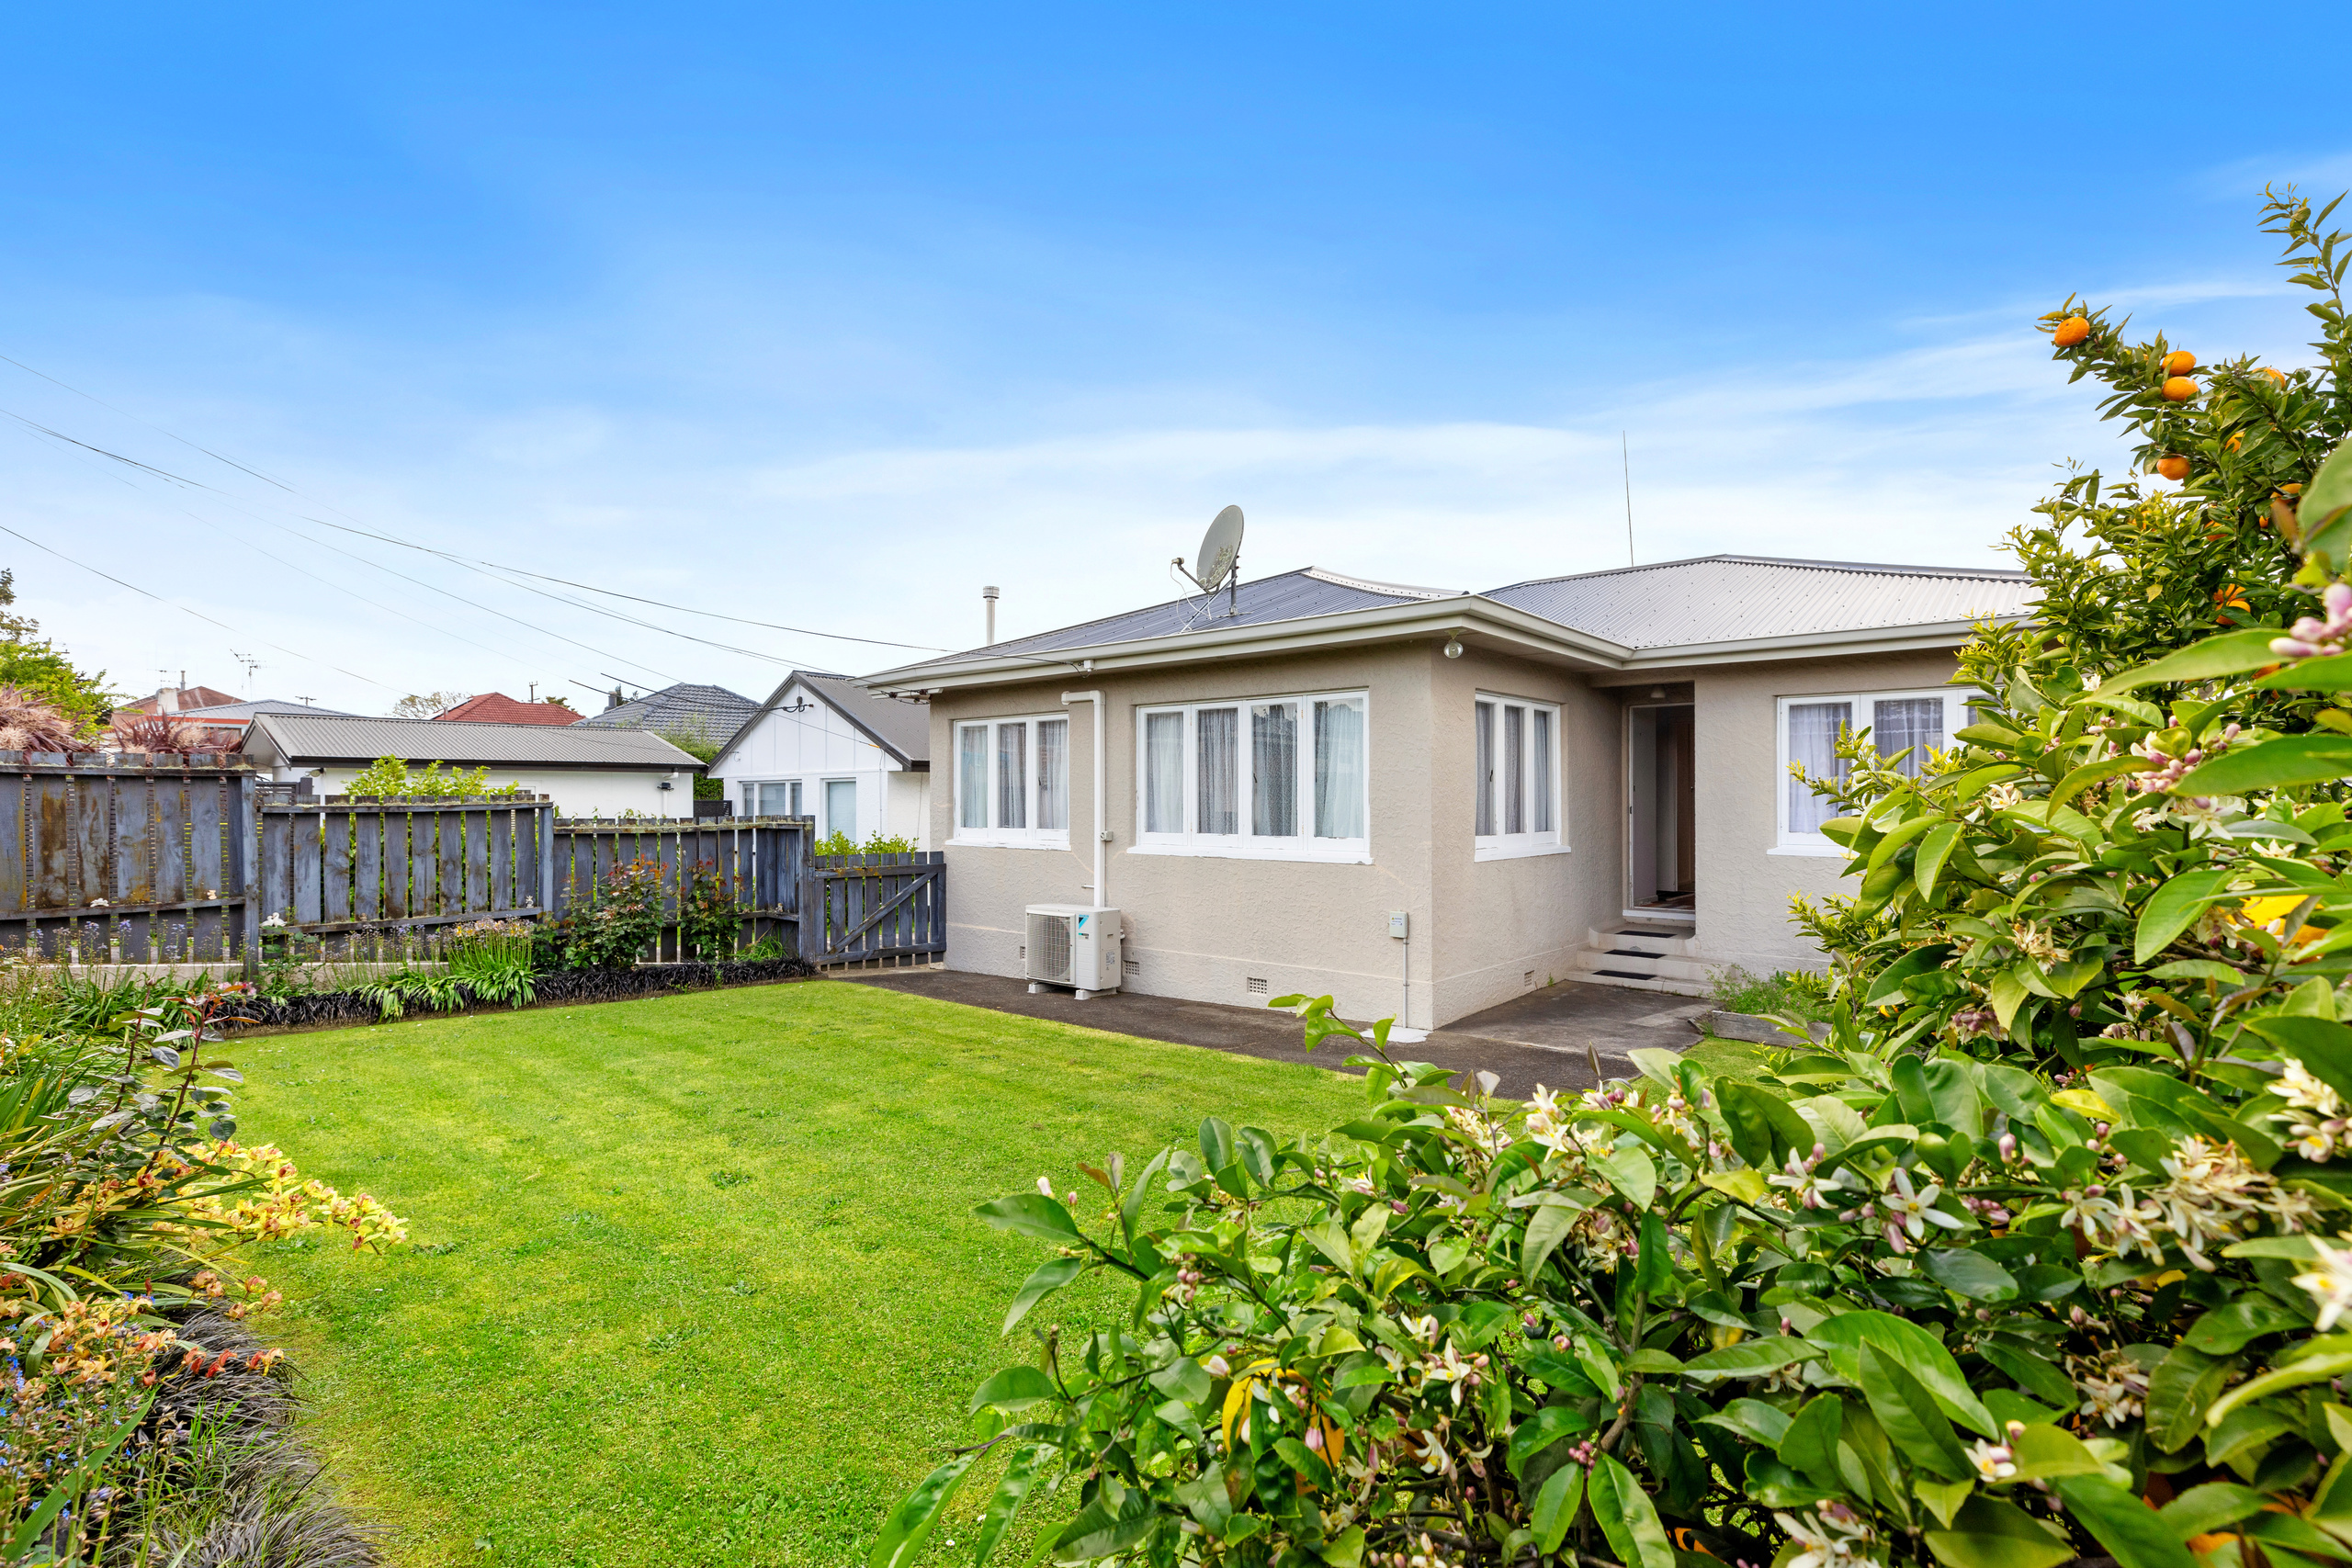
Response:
column 878, row 905
column 762, row 861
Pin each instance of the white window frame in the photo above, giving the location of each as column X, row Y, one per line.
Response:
column 752, row 787
column 1786, row 841
column 1245, row 845
column 1502, row 845
column 993, row 836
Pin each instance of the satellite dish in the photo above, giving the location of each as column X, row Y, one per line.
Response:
column 1220, row 549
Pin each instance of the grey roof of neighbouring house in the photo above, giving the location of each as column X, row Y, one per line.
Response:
column 312, row 739
column 901, row 728
column 255, row 708
column 712, row 712
column 1730, row 598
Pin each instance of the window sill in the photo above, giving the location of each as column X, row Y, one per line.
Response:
column 1057, row 841
column 1823, row 850
column 1238, row 852
column 1515, row 851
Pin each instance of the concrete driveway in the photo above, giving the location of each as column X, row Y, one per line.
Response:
column 1548, row 1037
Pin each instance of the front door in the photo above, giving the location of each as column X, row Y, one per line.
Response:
column 1661, row 779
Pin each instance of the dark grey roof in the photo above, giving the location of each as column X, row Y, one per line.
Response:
column 1732, row 598
column 902, row 729
column 1292, row 596
column 257, row 707
column 310, row 739
column 714, row 713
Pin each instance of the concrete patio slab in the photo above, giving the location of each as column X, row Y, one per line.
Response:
column 1521, row 1042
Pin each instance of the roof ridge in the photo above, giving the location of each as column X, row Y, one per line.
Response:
column 1794, row 563
column 1373, row 585
column 1117, row 616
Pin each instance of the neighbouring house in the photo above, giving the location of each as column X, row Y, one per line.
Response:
column 602, row 773
column 497, row 707
column 711, row 715
column 171, row 701
column 827, row 747
column 1573, row 777
column 222, row 725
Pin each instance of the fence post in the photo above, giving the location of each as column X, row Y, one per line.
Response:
column 811, row 924
column 244, row 845
column 546, row 859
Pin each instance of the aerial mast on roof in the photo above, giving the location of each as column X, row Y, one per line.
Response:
column 1220, row 559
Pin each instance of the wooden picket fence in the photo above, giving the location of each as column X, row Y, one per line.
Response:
column 165, row 859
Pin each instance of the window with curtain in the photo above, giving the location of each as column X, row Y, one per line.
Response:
column 1515, row 761
column 1339, row 768
column 840, row 808
column 1012, row 782
column 1273, row 770
column 1053, row 776
column 1483, row 763
column 1907, row 723
column 1163, row 773
column 777, row 799
column 1282, row 777
column 1813, row 729
column 1219, row 768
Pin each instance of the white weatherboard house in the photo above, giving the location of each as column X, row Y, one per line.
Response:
column 827, row 747
column 1574, row 777
column 590, row 773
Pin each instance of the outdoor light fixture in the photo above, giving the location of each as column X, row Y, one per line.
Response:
column 1454, row 647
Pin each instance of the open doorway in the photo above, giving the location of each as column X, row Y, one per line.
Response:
column 1661, row 780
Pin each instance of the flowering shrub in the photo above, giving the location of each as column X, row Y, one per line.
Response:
column 710, row 915
column 2044, row 1252
column 388, row 777
column 617, row 925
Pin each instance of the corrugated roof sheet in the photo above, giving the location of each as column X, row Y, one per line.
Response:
column 258, row 705
column 1291, row 596
column 1732, row 598
column 712, row 712
column 313, row 737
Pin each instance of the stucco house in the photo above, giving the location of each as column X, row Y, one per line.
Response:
column 590, row 773
column 1574, row 777
column 831, row 748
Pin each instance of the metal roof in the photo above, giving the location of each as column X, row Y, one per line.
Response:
column 714, row 713
column 312, row 739
column 1731, row 598
column 249, row 710
column 902, row 729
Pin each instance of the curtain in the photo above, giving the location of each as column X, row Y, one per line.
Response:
column 1053, row 774
column 777, row 800
column 1163, row 773
column 840, row 808
column 1484, row 825
column 1812, row 743
column 1012, row 775
column 1339, row 770
column 1218, row 733
column 1912, row 724
column 1514, row 770
column 1541, row 741
column 972, row 776
column 1273, row 770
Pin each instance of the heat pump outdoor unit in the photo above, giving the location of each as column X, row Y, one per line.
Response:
column 1075, row 945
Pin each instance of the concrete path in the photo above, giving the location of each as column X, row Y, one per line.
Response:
column 1541, row 1038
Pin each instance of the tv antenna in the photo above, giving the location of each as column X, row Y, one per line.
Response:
column 251, row 664
column 1220, row 559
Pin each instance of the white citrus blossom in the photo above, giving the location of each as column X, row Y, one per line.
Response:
column 2330, row 1281
column 1912, row 1213
column 1833, row 1536
column 1994, row 1462
column 2313, row 1111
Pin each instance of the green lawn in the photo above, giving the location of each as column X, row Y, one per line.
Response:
column 694, row 1280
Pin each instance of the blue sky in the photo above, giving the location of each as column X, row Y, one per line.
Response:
column 829, row 316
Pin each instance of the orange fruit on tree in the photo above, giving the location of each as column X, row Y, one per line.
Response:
column 2233, row 443
column 2175, row 466
column 2278, row 376
column 2071, row 331
column 2179, row 389
column 2179, row 361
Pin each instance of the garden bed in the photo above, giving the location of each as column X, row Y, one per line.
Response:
column 319, row 1008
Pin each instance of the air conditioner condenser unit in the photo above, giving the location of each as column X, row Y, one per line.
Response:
column 1075, row 945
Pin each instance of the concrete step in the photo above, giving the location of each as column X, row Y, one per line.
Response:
column 1664, row 941
column 1645, row 966
column 1627, row 980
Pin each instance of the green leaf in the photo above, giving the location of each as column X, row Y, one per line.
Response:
column 2201, row 1510
column 1556, row 1506
column 2320, row 757
column 1997, row 1534
column 2230, row 653
column 2247, row 1426
column 1917, row 1351
column 1810, row 1445
column 1131, row 1207
column 2008, row 993
column 1752, row 1419
column 1098, row 1532
column 1184, row 1379
column 1033, row 1213
column 2174, row 907
column 2321, row 1044
column 1654, row 1270
column 1627, row 1516
column 1050, row 1276
column 1934, row 850
column 2128, row 1527
column 1970, row 1274
column 2089, row 773
column 1539, row 1432
column 2228, row 1328
column 2043, row 1452
column 1764, row 1127
column 1014, row 1388
column 1943, row 1497
column 1908, row 1412
column 909, row 1527
column 2329, row 672
column 2311, row 1370
column 1017, row 1476
column 2031, row 1368
column 1547, row 1228
column 1632, row 1172
column 1217, row 1144
column 2322, row 511
column 1751, row 1358
column 2178, row 1390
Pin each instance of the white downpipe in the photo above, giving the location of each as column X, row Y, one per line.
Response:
column 1102, row 794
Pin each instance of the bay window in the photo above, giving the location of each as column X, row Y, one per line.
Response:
column 1273, row 777
column 1012, row 782
column 1515, row 760
column 1904, row 727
